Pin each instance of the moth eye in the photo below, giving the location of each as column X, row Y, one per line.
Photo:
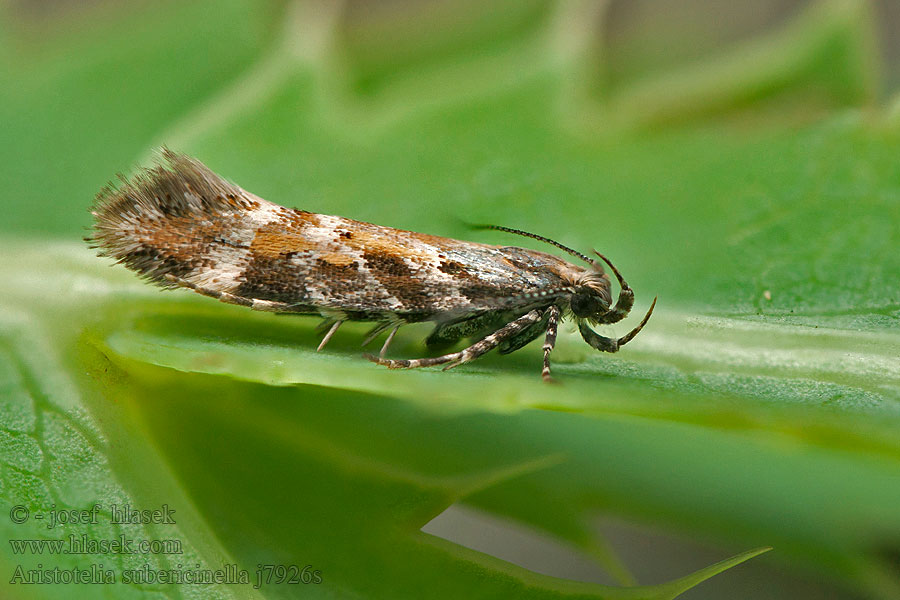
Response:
column 585, row 304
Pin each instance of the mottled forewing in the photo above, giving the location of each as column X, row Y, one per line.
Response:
column 351, row 266
column 181, row 224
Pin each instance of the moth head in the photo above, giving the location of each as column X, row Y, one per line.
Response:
column 591, row 297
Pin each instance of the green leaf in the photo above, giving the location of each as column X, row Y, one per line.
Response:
column 756, row 193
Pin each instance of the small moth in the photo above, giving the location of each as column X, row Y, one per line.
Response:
column 180, row 225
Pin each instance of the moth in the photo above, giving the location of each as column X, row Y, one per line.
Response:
column 178, row 224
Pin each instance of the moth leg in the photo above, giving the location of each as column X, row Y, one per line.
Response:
column 388, row 341
column 373, row 333
column 550, row 340
column 625, row 300
column 493, row 340
column 447, row 334
column 524, row 337
column 605, row 344
column 328, row 335
column 378, row 329
column 324, row 325
column 472, row 352
column 505, row 333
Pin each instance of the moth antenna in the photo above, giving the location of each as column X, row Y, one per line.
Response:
column 540, row 238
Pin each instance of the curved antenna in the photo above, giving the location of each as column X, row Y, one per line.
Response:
column 540, row 238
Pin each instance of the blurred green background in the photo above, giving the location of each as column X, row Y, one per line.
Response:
column 737, row 159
